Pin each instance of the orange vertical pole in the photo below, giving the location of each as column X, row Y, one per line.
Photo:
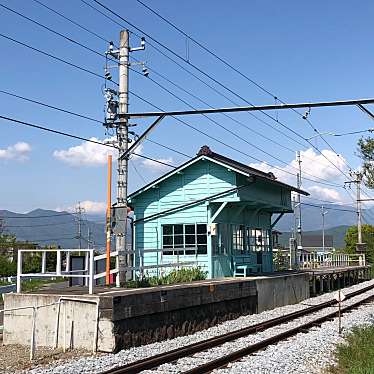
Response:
column 108, row 209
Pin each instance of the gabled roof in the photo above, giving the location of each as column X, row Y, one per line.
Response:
column 308, row 241
column 206, row 153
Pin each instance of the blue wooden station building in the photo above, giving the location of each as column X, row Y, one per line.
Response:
column 212, row 210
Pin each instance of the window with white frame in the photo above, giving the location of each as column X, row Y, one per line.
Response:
column 184, row 239
column 238, row 238
column 257, row 240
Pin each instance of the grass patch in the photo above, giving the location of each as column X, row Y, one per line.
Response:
column 34, row 284
column 356, row 355
column 175, row 276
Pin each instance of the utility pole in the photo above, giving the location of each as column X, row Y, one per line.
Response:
column 323, row 213
column 79, row 210
column 298, row 204
column 122, row 142
column 357, row 179
column 115, row 118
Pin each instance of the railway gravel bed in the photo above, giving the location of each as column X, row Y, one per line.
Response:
column 293, row 349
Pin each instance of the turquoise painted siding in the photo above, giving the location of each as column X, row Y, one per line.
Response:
column 196, row 182
column 251, row 207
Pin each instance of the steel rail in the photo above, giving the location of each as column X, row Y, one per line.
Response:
column 234, row 356
column 175, row 354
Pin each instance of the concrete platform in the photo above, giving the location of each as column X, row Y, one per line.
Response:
column 116, row 318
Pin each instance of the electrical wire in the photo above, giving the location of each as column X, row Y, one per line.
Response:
column 237, row 136
column 229, row 146
column 98, row 53
column 328, row 208
column 91, row 50
column 41, row 216
column 79, row 137
column 203, row 72
column 46, row 224
column 50, row 106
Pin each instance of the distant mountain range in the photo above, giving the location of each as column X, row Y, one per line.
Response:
column 47, row 227
column 337, row 215
column 337, row 233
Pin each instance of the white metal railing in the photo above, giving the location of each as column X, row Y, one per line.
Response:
column 88, row 273
column 330, row 260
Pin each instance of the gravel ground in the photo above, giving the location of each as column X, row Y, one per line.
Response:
column 313, row 354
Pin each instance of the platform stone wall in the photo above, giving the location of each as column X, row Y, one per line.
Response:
column 133, row 317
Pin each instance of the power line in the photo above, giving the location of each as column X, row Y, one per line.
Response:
column 71, row 21
column 50, row 106
column 79, row 137
column 234, row 134
column 180, row 57
column 204, row 73
column 76, row 66
column 41, row 216
column 98, row 53
column 227, row 145
column 46, row 224
column 209, row 50
column 54, row 131
column 51, row 56
column 328, row 208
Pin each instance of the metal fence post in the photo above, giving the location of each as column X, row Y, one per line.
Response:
column 91, row 273
column 44, row 261
column 58, row 263
column 32, row 340
column 19, row 270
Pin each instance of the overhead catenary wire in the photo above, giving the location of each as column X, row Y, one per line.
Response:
column 229, row 146
column 239, row 137
column 65, row 38
column 201, row 71
column 96, row 52
column 188, row 71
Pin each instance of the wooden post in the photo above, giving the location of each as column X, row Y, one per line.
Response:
column 108, row 209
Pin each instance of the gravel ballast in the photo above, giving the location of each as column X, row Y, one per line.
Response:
column 304, row 353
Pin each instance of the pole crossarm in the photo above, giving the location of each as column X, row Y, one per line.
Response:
column 142, row 137
column 321, row 104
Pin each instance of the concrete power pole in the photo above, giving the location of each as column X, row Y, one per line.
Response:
column 116, row 110
column 122, row 142
column 358, row 207
column 79, row 210
column 298, row 204
column 357, row 179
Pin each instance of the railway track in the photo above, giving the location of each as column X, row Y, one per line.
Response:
column 189, row 350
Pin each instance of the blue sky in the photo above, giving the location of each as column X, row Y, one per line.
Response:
column 301, row 51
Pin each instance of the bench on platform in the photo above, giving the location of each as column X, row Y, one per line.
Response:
column 243, row 266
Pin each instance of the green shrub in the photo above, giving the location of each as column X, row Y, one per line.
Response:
column 7, row 267
column 184, row 275
column 356, row 354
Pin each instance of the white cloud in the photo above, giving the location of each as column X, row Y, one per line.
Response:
column 324, row 193
column 321, row 165
column 94, row 207
column 86, row 154
column 19, row 152
column 313, row 166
